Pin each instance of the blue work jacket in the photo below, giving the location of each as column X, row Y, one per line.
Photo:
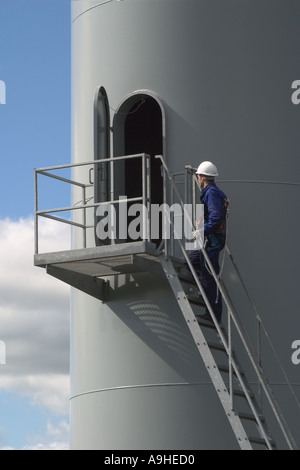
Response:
column 215, row 209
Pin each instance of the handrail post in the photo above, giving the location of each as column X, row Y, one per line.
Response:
column 164, row 221
column 259, row 360
column 146, row 195
column 36, row 227
column 230, row 359
column 84, row 216
column 112, row 198
column 149, row 195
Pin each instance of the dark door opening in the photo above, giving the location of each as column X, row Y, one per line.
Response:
column 143, row 134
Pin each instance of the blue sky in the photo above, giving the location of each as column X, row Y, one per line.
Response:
column 34, row 310
column 35, row 121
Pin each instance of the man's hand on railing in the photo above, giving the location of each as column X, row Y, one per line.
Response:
column 198, row 234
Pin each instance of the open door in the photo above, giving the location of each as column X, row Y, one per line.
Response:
column 101, row 151
column 138, row 128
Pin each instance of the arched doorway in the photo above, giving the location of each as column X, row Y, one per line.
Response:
column 139, row 128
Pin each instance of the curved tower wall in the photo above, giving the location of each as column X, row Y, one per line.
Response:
column 221, row 73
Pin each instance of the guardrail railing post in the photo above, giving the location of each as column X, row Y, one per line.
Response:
column 230, row 360
column 84, row 215
column 36, row 235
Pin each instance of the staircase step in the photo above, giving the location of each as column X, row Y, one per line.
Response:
column 250, row 417
column 217, row 346
column 205, row 323
column 240, row 393
column 225, row 368
column 261, row 441
column 187, row 278
column 195, row 299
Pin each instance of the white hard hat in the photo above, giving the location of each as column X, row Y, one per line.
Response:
column 207, row 169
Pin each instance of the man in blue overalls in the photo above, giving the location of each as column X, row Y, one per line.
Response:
column 214, row 227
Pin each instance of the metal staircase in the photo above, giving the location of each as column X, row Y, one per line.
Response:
column 216, row 370
column 229, row 381
column 89, row 268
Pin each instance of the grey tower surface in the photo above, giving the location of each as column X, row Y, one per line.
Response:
column 191, row 80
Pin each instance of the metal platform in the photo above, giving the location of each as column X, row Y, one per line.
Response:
column 84, row 268
column 102, row 260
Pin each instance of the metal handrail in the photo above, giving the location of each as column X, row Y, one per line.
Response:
column 260, row 324
column 145, row 197
column 240, row 330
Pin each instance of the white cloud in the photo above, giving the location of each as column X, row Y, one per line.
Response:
column 55, row 438
column 48, row 391
column 34, row 317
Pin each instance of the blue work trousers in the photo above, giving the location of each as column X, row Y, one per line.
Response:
column 207, row 280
